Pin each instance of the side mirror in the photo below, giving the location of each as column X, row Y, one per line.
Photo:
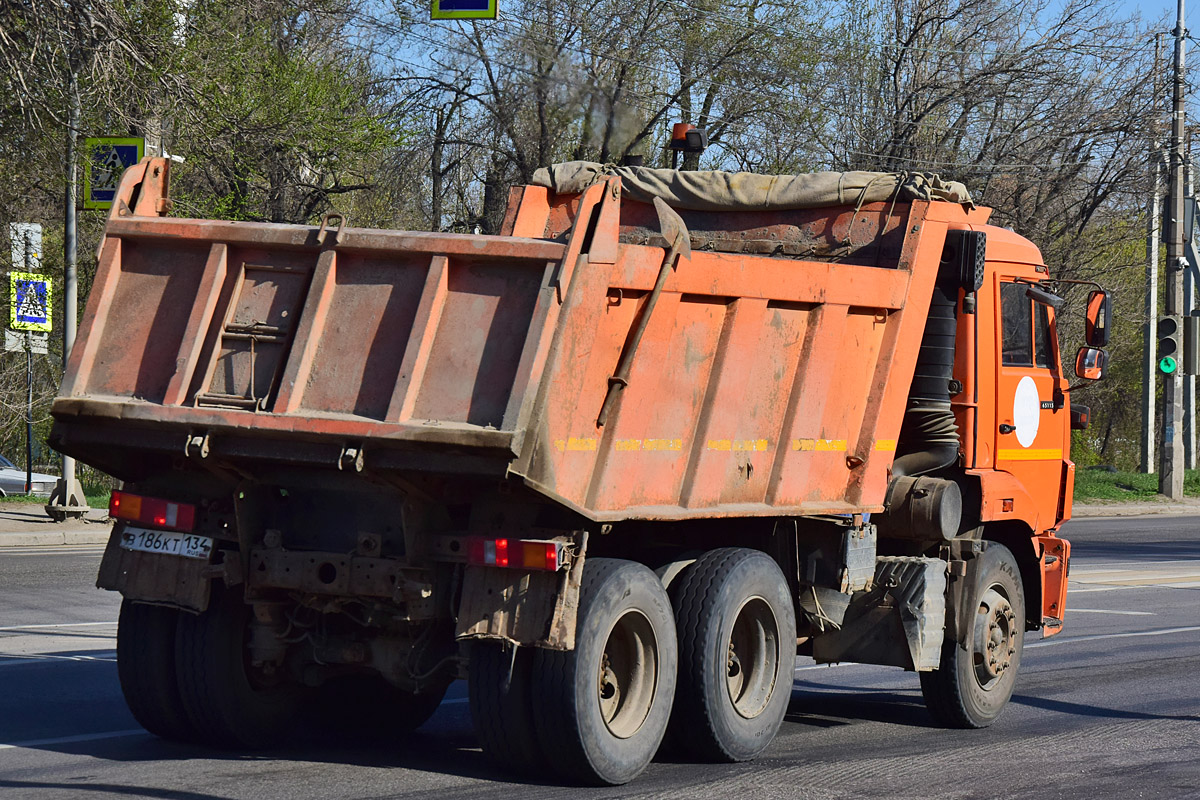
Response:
column 1099, row 319
column 1090, row 363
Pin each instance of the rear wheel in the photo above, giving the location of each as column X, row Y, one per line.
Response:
column 499, row 692
column 737, row 646
column 146, row 669
column 230, row 701
column 975, row 680
column 602, row 708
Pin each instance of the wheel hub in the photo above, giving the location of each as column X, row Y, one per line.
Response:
column 995, row 639
column 752, row 660
column 627, row 677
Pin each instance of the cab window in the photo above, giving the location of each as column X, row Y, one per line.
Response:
column 1016, row 316
column 1043, row 349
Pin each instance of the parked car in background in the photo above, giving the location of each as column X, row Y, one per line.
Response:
column 12, row 481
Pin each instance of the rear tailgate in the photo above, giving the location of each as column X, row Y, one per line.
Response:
column 253, row 332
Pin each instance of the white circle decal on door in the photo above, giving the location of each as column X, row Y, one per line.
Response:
column 1027, row 411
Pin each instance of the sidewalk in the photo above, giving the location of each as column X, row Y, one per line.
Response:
column 1155, row 505
column 26, row 524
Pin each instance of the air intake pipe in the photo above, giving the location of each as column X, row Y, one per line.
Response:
column 924, row 507
column 929, row 435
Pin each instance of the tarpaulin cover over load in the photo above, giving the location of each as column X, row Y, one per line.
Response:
column 749, row 191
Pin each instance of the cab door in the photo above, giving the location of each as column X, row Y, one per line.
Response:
column 1030, row 404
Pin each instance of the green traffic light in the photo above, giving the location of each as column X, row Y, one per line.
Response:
column 1168, row 364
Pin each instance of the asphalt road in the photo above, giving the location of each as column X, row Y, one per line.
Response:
column 1108, row 708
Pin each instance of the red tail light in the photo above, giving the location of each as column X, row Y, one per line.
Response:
column 152, row 511
column 515, row 553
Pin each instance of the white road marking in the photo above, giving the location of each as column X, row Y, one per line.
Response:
column 1125, row 588
column 1105, row 611
column 52, row 550
column 89, row 556
column 16, row 659
column 84, row 737
column 825, row 666
column 1153, row 572
column 93, row 737
column 1098, row 636
column 55, row 625
column 1108, row 566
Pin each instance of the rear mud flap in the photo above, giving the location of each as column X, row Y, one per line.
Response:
column 154, row 577
column 529, row 608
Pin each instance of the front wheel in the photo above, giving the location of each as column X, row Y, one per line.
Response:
column 603, row 707
column 975, row 679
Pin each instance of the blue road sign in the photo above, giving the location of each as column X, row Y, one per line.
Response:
column 107, row 158
column 30, row 309
column 463, row 9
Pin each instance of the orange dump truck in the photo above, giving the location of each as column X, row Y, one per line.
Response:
column 615, row 466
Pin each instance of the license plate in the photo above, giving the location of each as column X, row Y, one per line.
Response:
column 169, row 543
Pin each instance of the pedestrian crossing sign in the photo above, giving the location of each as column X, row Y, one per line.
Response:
column 463, row 9
column 31, row 307
column 107, row 158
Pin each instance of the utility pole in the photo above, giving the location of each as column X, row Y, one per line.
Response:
column 28, row 265
column 1148, row 463
column 1149, row 359
column 1189, row 302
column 1170, row 478
column 68, row 500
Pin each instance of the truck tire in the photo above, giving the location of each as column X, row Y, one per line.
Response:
column 230, row 702
column 367, row 706
column 602, row 708
column 146, row 669
column 737, row 655
column 499, row 694
column 975, row 680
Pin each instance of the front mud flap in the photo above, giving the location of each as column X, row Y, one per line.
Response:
column 155, row 577
column 900, row 622
column 1055, row 557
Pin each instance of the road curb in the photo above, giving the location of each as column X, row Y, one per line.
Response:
column 1136, row 509
column 52, row 538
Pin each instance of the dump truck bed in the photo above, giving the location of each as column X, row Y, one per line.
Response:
column 771, row 380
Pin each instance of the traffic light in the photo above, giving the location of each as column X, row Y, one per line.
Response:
column 1191, row 344
column 1170, row 344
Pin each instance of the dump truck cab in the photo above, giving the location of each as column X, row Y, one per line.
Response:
column 1016, row 441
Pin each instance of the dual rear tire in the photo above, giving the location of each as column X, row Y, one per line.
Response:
column 737, row 655
column 146, row 669
column 593, row 715
column 719, row 651
column 188, row 677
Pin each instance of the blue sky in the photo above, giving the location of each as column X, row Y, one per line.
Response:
column 1164, row 11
